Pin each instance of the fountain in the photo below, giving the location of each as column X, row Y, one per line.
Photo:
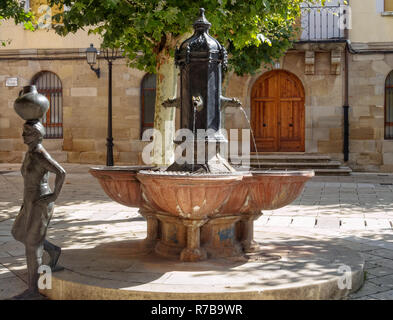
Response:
column 205, row 208
column 200, row 217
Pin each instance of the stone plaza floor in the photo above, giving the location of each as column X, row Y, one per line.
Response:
column 354, row 211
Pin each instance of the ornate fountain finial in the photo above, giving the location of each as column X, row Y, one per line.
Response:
column 201, row 23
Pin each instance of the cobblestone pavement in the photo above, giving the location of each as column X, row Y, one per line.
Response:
column 354, row 211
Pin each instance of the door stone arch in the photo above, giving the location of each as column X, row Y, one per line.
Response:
column 278, row 112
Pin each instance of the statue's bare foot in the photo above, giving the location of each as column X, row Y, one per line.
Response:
column 29, row 295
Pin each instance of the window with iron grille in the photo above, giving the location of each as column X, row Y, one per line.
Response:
column 49, row 85
column 148, row 99
column 389, row 107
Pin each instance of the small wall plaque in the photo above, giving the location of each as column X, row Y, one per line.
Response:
column 11, row 82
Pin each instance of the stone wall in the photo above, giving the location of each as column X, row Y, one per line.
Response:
column 85, row 104
column 369, row 151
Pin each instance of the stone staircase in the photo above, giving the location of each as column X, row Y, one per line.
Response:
column 321, row 164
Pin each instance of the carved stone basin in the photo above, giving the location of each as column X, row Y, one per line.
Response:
column 266, row 190
column 190, row 196
column 270, row 190
column 120, row 183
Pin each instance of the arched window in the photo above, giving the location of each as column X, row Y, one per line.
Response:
column 49, row 85
column 148, row 99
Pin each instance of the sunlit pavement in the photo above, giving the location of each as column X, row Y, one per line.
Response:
column 354, row 211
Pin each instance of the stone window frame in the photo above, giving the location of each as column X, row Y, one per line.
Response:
column 52, row 88
column 144, row 108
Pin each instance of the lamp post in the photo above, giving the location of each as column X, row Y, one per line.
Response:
column 110, row 54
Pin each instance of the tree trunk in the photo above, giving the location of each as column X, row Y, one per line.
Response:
column 164, row 118
column 166, row 88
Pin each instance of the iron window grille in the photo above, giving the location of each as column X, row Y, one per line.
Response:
column 49, row 85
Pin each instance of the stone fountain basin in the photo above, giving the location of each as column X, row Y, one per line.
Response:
column 120, row 183
column 271, row 190
column 265, row 190
column 190, row 196
column 197, row 196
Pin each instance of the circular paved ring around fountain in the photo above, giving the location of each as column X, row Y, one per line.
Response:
column 289, row 266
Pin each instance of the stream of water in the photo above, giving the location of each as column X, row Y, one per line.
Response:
column 194, row 132
column 253, row 137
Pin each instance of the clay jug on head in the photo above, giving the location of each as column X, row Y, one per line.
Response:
column 31, row 105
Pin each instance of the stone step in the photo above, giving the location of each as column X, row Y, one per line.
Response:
column 290, row 165
column 288, row 158
column 342, row 171
column 319, row 171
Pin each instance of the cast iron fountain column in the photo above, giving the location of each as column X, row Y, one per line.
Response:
column 201, row 59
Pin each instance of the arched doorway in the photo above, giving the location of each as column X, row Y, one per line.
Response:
column 277, row 112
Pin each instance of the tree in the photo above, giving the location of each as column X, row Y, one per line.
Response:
column 13, row 9
column 254, row 32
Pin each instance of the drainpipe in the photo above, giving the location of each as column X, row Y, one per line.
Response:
column 346, row 100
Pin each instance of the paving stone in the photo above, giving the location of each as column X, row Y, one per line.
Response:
column 10, row 287
column 355, row 223
column 367, row 289
column 5, row 273
column 384, row 263
column 370, row 265
column 365, row 298
column 4, row 254
column 385, row 282
column 303, row 222
column 377, row 223
column 370, row 257
column 327, row 223
column 384, row 253
column 280, row 221
column 387, row 295
column 380, row 271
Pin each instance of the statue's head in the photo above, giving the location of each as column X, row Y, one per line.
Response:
column 33, row 132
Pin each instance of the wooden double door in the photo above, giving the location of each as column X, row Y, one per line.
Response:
column 277, row 113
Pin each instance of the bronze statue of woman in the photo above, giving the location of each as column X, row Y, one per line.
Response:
column 31, row 224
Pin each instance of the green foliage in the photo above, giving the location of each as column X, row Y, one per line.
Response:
column 13, row 9
column 255, row 32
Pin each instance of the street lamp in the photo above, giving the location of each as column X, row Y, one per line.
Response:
column 91, row 56
column 110, row 54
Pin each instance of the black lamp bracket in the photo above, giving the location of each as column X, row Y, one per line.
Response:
column 96, row 70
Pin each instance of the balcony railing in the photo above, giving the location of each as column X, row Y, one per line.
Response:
column 321, row 23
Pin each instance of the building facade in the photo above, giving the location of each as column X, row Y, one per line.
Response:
column 342, row 60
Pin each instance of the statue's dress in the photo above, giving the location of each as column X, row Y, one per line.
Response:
column 33, row 219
